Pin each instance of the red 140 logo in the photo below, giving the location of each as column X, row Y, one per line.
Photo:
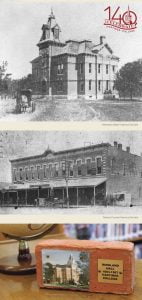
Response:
column 126, row 21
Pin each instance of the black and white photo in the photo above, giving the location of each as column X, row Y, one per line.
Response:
column 69, row 172
column 61, row 63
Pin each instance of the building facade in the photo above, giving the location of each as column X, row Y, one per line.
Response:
column 86, row 175
column 63, row 274
column 73, row 68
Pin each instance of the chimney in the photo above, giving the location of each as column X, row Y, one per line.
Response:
column 115, row 144
column 120, row 146
column 128, row 149
column 102, row 37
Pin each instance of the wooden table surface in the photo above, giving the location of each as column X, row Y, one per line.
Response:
column 24, row 287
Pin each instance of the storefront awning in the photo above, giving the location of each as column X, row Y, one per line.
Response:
column 71, row 182
column 78, row 182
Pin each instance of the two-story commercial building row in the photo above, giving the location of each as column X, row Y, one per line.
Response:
column 85, row 175
column 73, row 68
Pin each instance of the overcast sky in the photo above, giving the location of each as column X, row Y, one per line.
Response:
column 55, row 254
column 26, row 143
column 21, row 22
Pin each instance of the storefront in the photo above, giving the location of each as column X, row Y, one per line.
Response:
column 25, row 195
column 71, row 192
column 81, row 191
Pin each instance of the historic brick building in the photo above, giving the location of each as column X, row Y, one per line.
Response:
column 63, row 274
column 73, row 68
column 83, row 174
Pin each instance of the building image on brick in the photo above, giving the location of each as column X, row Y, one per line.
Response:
column 70, row 272
column 99, row 174
column 75, row 68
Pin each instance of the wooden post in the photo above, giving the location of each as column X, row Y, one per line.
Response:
column 67, row 192
column 94, row 195
column 77, row 197
column 26, row 196
column 3, row 198
column 37, row 203
column 17, row 198
column 8, row 197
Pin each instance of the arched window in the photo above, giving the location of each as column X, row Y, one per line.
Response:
column 56, row 33
column 44, row 86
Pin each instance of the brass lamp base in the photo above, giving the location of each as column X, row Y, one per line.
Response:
column 16, row 256
column 10, row 265
column 17, row 262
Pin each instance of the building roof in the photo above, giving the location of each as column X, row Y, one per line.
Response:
column 36, row 59
column 61, row 152
column 83, row 47
column 71, row 46
column 50, row 26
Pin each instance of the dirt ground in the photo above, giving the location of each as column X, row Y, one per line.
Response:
column 73, row 110
column 87, row 211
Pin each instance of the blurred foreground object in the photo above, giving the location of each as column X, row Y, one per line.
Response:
column 23, row 262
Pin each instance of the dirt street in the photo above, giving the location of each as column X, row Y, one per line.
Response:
column 73, row 110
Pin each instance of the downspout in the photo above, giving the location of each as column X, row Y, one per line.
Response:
column 96, row 81
column 50, row 56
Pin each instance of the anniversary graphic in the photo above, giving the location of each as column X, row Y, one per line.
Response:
column 70, row 64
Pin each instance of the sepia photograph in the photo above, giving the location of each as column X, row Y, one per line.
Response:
column 68, row 172
column 70, row 64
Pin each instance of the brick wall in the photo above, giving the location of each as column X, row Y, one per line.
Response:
column 72, row 76
column 122, row 169
column 81, row 74
column 60, row 158
column 59, row 75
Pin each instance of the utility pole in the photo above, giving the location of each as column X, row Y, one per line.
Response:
column 67, row 179
column 1, row 146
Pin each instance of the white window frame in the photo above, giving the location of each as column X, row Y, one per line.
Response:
column 113, row 68
column 99, row 68
column 21, row 168
column 86, row 162
column 72, row 162
column 14, row 171
column 99, row 156
column 60, row 68
column 61, row 164
column 57, row 163
column 99, row 85
column 107, row 85
column 32, row 166
column 50, row 167
column 90, row 84
column 44, row 165
column 79, row 159
column 38, row 167
column 107, row 68
column 87, row 158
column 79, row 165
column 26, row 172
